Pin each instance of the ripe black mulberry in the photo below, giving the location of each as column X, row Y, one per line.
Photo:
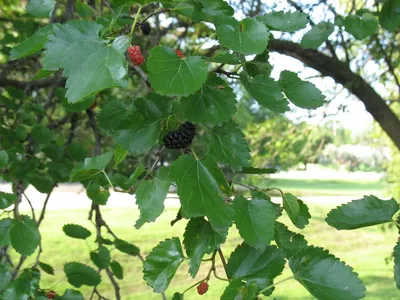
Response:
column 145, row 28
column 181, row 138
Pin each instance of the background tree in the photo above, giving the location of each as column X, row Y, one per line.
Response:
column 95, row 91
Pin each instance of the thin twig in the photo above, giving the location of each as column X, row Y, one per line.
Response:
column 114, row 283
column 156, row 12
column 42, row 213
column 16, row 270
column 31, row 206
column 221, row 256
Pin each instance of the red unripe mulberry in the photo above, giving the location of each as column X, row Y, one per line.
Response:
column 202, row 288
column 135, row 55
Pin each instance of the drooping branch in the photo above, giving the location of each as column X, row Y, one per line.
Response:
column 30, row 85
column 342, row 74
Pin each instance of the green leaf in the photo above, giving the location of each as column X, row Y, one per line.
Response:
column 303, row 216
column 228, row 145
column 361, row 27
column 65, row 37
column 24, row 286
column 42, row 73
column 177, row 296
column 76, row 152
column 91, row 166
column 199, row 239
column 126, row 247
column 25, row 236
column 247, row 36
column 59, row 172
column 119, row 155
column 285, row 21
column 288, row 241
column 112, row 114
column 291, row 205
column 174, row 76
column 41, row 134
column 217, row 8
column 98, row 196
column 301, row 93
column 122, row 43
column 150, row 196
column 214, row 104
column 134, row 177
column 6, row 200
column 141, row 131
column 266, row 91
column 42, row 182
column 101, row 258
column 5, row 227
column 161, row 264
column 75, row 47
column 224, row 57
column 46, row 268
column 5, row 276
column 76, row 231
column 33, row 44
column 212, row 166
column 78, row 106
column 251, row 170
column 396, row 255
column 325, row 276
column 255, row 219
column 3, row 159
column 79, row 274
column 317, row 35
column 55, row 152
column 71, row 295
column 83, row 9
column 362, row 213
column 256, row 266
column 117, row 270
column 259, row 65
column 199, row 193
column 41, row 8
column 130, row 2
column 105, row 60
column 237, row 289
column 389, row 16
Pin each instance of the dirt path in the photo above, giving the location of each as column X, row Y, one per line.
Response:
column 67, row 197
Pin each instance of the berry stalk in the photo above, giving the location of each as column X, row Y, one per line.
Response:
column 135, row 21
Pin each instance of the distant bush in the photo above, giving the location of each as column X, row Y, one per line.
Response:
column 356, row 157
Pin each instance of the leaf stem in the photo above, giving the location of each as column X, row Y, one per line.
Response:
column 205, row 41
column 135, row 21
column 108, row 179
column 194, row 152
column 396, row 223
column 273, row 285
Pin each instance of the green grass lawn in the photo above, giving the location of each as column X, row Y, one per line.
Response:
column 304, row 187
column 365, row 250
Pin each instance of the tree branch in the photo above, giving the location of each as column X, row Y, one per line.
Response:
column 30, row 85
column 342, row 74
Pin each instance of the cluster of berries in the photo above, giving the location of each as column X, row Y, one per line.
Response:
column 181, row 138
column 135, row 55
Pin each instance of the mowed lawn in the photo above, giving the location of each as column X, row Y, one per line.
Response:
column 364, row 249
column 333, row 187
